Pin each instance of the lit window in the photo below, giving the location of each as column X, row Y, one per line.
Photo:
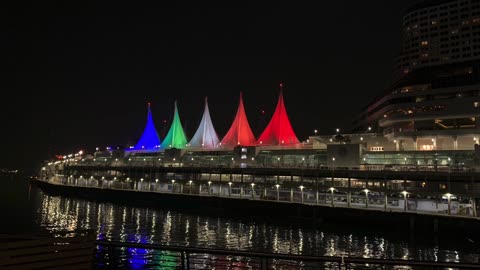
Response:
column 376, row 148
column 424, row 43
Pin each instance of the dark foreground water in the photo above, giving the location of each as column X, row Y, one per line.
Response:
column 26, row 208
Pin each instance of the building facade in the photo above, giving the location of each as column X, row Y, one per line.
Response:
column 433, row 104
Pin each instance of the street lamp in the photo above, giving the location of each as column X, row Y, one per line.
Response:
column 315, row 131
column 253, row 190
column 173, row 185
column 337, row 130
column 449, row 200
column 229, row 189
column 301, row 192
column 405, row 204
column 332, row 189
column 190, row 189
column 209, row 183
column 366, row 197
column 278, row 191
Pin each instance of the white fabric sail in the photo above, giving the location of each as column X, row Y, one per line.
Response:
column 205, row 136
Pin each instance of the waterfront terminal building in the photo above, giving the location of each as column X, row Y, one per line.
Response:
column 419, row 139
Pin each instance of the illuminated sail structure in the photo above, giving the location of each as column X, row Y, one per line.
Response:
column 279, row 131
column 149, row 139
column 240, row 132
column 205, row 136
column 176, row 136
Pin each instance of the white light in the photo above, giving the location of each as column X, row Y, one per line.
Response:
column 190, row 182
column 277, row 186
column 173, row 181
column 141, row 179
column 230, row 183
column 173, row 159
column 116, row 159
column 302, row 187
column 209, row 182
column 331, row 139
column 232, row 158
column 369, row 128
column 103, row 178
column 315, row 131
column 115, row 178
column 96, row 148
column 128, row 178
column 331, row 189
column 361, row 138
column 252, row 184
column 91, row 177
column 404, row 193
column 253, row 158
column 303, row 159
column 80, row 152
column 278, row 158
column 43, row 168
column 192, row 158
column 156, row 180
column 333, row 159
column 366, row 190
column 338, row 130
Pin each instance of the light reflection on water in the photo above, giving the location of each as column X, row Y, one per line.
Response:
column 166, row 227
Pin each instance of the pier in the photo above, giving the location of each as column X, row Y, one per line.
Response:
column 430, row 200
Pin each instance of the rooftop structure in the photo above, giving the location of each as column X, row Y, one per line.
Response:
column 176, row 136
column 240, row 132
column 205, row 137
column 149, row 139
column 279, row 131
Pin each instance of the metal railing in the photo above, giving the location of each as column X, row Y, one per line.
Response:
column 114, row 255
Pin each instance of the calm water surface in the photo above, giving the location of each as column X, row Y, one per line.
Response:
column 27, row 208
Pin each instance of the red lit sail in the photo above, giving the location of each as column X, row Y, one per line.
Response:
column 279, row 131
column 240, row 132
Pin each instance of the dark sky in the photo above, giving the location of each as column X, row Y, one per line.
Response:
column 78, row 75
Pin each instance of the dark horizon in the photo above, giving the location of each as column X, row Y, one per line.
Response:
column 78, row 77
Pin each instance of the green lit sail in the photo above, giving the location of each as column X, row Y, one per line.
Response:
column 176, row 136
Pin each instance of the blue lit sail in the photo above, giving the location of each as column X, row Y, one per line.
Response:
column 149, row 139
column 205, row 136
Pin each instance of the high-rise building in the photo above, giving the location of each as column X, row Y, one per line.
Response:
column 434, row 101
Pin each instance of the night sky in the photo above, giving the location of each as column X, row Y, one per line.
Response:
column 78, row 75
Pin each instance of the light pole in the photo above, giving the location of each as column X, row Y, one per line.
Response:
column 278, row 192
column 209, row 183
column 173, row 185
column 229, row 189
column 190, row 189
column 253, row 190
column 405, row 204
column 332, row 190
column 156, row 184
column 301, row 192
column 366, row 197
column 449, row 201
column 405, row 164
